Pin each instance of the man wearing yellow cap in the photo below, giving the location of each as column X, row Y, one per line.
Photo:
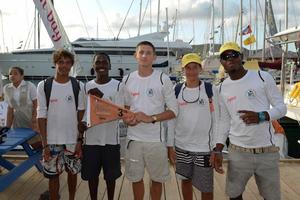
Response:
column 246, row 98
column 192, row 132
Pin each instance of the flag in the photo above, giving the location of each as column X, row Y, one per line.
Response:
column 56, row 31
column 100, row 111
column 251, row 39
column 247, row 30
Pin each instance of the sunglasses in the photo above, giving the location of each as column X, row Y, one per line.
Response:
column 230, row 55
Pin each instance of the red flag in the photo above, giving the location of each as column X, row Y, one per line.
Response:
column 101, row 111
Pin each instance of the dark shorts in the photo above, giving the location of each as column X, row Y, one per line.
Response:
column 96, row 157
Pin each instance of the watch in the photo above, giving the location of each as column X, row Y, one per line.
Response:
column 154, row 119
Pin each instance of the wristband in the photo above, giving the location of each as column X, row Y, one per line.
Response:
column 261, row 116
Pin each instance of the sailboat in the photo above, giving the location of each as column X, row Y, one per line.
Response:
column 37, row 63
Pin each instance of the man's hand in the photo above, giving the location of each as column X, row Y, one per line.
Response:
column 82, row 127
column 249, row 117
column 172, row 155
column 216, row 159
column 130, row 119
column 96, row 92
column 78, row 150
column 46, row 154
column 142, row 117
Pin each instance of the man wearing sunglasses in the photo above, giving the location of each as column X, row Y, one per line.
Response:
column 246, row 98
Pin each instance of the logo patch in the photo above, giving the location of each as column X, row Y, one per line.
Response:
column 69, row 99
column 250, row 94
column 201, row 102
column 150, row 92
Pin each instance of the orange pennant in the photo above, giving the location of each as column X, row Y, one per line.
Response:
column 101, row 111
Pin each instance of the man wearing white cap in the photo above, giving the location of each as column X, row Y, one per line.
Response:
column 246, row 98
column 192, row 132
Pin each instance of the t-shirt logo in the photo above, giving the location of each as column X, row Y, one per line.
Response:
column 201, row 102
column 250, row 94
column 150, row 92
column 69, row 99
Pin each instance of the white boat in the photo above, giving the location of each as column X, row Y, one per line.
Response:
column 37, row 63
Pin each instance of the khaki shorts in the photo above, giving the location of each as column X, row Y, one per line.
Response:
column 243, row 165
column 150, row 155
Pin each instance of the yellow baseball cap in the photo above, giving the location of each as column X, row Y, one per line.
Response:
column 189, row 58
column 230, row 46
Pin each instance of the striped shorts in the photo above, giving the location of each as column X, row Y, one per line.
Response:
column 196, row 167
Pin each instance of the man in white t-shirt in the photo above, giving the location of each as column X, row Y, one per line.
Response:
column 147, row 93
column 193, row 130
column 102, row 145
column 58, row 118
column 249, row 100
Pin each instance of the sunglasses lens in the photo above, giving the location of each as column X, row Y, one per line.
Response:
column 229, row 56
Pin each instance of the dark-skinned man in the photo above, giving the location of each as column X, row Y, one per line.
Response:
column 102, row 145
column 249, row 100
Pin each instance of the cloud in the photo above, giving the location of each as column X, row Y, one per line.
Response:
column 72, row 26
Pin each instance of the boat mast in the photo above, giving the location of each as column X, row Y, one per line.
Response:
column 158, row 12
column 212, row 31
column 222, row 24
column 175, row 25
column 3, row 40
column 150, row 16
column 250, row 13
column 168, row 39
column 256, row 25
column 140, row 18
column 264, row 34
column 284, row 53
column 241, row 27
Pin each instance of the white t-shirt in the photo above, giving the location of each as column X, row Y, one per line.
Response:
column 31, row 92
column 195, row 125
column 106, row 133
column 249, row 93
column 149, row 95
column 61, row 114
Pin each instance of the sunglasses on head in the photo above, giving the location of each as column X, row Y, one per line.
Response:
column 230, row 55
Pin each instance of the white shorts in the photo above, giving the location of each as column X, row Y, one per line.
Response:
column 150, row 155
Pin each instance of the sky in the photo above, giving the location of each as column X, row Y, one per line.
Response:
column 80, row 18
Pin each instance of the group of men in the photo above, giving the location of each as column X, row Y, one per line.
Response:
column 200, row 118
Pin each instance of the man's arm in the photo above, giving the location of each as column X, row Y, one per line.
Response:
column 166, row 115
column 9, row 117
column 278, row 109
column 80, row 115
column 222, row 133
column 42, row 123
column 42, row 119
